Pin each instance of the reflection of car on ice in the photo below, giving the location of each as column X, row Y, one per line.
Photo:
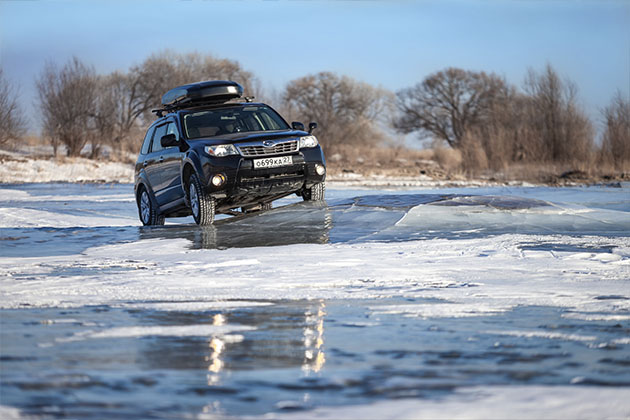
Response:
column 210, row 151
column 298, row 223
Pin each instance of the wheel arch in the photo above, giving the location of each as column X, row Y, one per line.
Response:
column 187, row 171
column 144, row 185
column 191, row 165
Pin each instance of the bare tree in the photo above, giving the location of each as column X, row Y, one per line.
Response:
column 166, row 70
column 448, row 103
column 347, row 111
column 12, row 121
column 505, row 135
column 560, row 129
column 119, row 107
column 67, row 98
column 616, row 140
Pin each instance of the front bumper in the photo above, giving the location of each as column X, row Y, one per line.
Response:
column 245, row 185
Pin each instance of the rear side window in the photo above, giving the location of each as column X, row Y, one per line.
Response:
column 147, row 141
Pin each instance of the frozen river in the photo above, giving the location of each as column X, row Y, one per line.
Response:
column 406, row 303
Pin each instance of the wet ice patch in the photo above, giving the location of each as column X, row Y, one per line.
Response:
column 486, row 403
column 199, row 330
column 495, row 202
column 544, row 334
column 499, row 215
column 442, row 310
column 392, row 201
column 64, row 206
column 588, row 316
column 194, row 306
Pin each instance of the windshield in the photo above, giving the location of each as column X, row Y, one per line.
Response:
column 216, row 122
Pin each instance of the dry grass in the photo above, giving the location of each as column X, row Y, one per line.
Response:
column 442, row 163
column 384, row 161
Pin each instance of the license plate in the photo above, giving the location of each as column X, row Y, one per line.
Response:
column 273, row 162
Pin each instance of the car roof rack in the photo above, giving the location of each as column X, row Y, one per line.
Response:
column 205, row 104
column 208, row 93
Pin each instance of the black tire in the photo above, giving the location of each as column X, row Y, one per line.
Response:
column 315, row 193
column 146, row 209
column 202, row 205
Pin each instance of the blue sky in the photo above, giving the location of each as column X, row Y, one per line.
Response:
column 392, row 44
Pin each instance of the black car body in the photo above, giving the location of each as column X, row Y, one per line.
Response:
column 212, row 152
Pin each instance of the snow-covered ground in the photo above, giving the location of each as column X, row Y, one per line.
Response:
column 17, row 168
column 465, row 303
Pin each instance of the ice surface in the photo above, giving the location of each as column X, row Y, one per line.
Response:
column 487, row 403
column 479, row 254
column 434, row 295
column 474, row 275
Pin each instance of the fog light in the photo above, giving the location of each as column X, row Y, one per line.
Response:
column 218, row 180
column 320, row 169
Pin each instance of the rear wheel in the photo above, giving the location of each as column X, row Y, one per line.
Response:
column 315, row 193
column 147, row 211
column 201, row 204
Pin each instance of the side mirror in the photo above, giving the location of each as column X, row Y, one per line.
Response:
column 312, row 126
column 169, row 140
column 297, row 126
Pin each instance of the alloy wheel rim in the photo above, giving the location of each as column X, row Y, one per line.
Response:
column 194, row 200
column 145, row 207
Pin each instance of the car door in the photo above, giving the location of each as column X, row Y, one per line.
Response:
column 171, row 168
column 153, row 164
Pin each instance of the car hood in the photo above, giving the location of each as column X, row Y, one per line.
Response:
column 247, row 137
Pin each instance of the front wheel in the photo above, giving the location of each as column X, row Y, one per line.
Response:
column 201, row 204
column 147, row 211
column 315, row 193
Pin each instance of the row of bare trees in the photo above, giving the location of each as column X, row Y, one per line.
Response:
column 491, row 122
column 494, row 124
column 80, row 108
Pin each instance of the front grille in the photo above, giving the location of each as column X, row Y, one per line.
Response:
column 258, row 149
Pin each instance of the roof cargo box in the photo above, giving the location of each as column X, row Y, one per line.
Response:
column 213, row 90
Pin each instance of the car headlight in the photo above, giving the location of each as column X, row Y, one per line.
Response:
column 221, row 150
column 308, row 141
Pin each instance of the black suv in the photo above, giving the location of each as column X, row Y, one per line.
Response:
column 212, row 151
